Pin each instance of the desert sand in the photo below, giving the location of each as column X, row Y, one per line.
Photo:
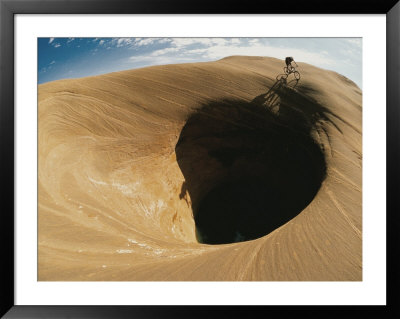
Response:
column 129, row 160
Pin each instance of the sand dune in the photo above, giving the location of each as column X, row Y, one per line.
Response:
column 129, row 160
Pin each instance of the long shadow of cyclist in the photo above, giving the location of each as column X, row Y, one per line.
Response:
column 295, row 108
column 272, row 99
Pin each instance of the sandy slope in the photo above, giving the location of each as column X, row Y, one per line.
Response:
column 115, row 203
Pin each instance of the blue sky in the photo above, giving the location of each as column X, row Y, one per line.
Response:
column 61, row 58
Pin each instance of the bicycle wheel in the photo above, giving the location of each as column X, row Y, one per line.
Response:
column 297, row 75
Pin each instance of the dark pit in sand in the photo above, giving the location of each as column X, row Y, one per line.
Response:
column 248, row 170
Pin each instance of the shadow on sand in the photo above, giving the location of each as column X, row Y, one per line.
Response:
column 250, row 167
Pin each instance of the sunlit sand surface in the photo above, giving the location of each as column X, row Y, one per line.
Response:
column 130, row 162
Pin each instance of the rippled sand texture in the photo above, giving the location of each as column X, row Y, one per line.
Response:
column 113, row 204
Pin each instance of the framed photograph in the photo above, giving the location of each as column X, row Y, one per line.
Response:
column 163, row 155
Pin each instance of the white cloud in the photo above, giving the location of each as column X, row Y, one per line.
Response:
column 122, row 41
column 145, row 41
column 101, row 42
column 164, row 51
column 148, row 41
column 198, row 51
column 54, row 44
column 185, row 42
column 48, row 67
column 163, row 40
column 254, row 41
column 148, row 60
column 348, row 52
column 136, row 42
column 182, row 42
column 356, row 41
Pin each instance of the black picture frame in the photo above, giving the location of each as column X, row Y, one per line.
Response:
column 9, row 8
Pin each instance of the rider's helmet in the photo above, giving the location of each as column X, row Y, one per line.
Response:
column 288, row 60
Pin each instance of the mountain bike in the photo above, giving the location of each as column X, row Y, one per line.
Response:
column 291, row 69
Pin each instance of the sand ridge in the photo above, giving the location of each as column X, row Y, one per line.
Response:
column 112, row 198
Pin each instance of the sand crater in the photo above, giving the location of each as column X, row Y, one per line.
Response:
column 247, row 170
column 128, row 161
